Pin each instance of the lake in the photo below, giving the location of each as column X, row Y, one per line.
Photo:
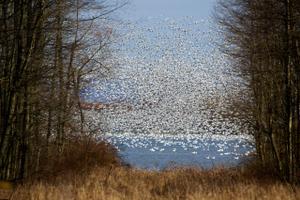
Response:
column 162, row 151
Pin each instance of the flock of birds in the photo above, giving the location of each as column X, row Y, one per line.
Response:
column 179, row 87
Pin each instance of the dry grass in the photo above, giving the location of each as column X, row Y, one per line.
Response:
column 91, row 170
column 112, row 183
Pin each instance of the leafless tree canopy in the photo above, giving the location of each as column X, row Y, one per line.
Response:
column 47, row 47
column 263, row 37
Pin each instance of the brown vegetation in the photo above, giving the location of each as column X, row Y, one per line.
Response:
column 90, row 169
column 181, row 183
column 80, row 155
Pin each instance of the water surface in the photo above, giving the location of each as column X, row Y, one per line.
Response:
column 162, row 151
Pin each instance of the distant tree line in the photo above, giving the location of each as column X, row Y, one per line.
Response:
column 47, row 49
column 263, row 37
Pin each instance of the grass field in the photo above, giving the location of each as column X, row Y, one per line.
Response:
column 114, row 183
column 93, row 171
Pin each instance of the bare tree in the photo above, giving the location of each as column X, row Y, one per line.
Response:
column 47, row 49
column 262, row 37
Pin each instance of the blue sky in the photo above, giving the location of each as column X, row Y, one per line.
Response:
column 169, row 8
